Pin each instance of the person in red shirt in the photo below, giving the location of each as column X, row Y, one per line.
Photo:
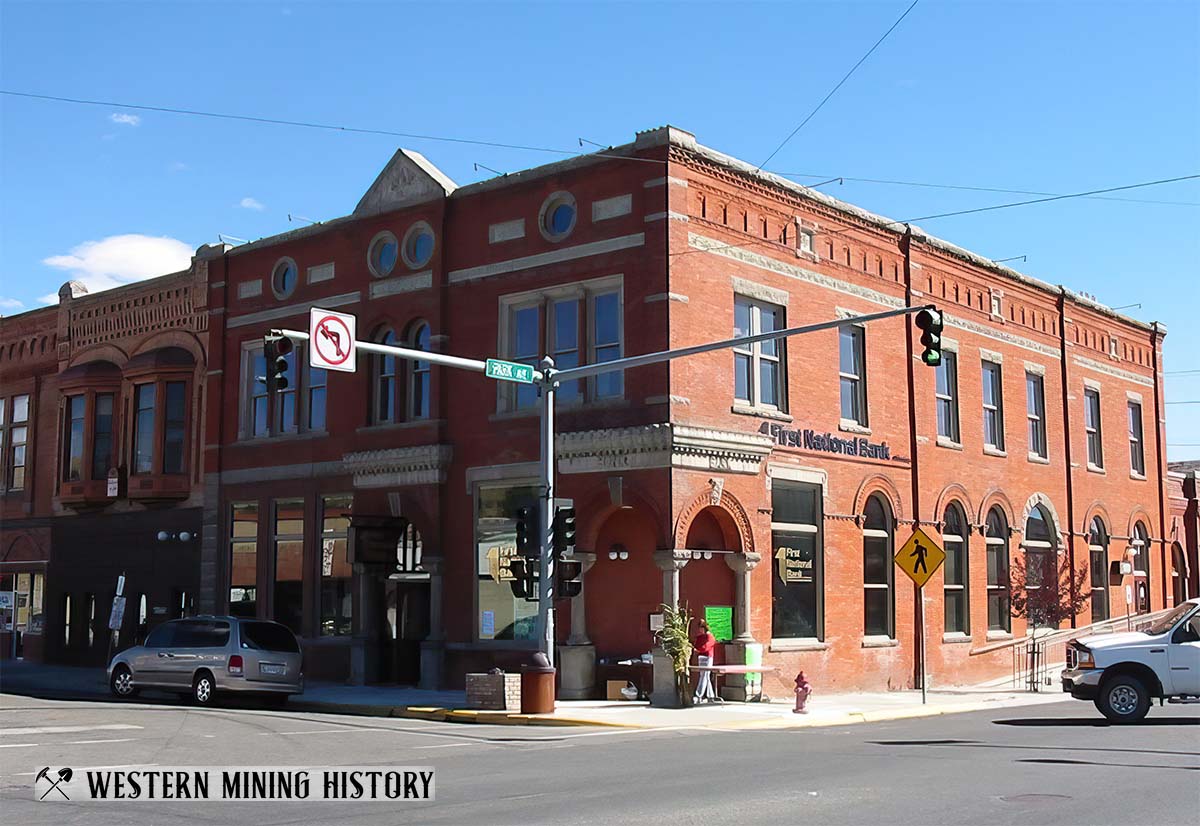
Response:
column 705, row 643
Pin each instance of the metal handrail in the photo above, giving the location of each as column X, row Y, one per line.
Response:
column 1067, row 634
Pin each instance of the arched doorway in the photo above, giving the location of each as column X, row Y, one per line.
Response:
column 1141, row 568
column 1179, row 573
column 706, row 583
column 406, row 612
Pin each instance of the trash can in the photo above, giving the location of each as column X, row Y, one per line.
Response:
column 537, row 686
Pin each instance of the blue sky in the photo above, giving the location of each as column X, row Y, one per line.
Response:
column 1055, row 97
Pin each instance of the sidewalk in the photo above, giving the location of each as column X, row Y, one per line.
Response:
column 65, row 682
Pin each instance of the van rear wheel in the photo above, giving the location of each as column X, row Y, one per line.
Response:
column 204, row 689
column 1123, row 699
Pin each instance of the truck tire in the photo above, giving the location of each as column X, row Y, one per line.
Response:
column 1123, row 699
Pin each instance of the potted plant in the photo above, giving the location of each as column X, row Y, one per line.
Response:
column 675, row 640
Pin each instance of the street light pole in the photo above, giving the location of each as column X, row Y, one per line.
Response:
column 545, row 624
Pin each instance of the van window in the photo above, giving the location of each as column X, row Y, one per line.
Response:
column 161, row 636
column 268, row 636
column 201, row 634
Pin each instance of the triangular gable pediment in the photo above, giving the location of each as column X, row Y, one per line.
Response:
column 409, row 178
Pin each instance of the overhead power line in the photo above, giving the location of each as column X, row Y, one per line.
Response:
column 833, row 91
column 966, row 188
column 322, row 126
column 1190, row 401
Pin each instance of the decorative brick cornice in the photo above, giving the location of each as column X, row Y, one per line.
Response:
column 662, row 446
column 397, row 467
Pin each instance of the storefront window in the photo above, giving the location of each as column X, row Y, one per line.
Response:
column 879, row 606
column 797, row 587
column 956, row 587
column 289, row 563
column 1098, row 551
column 997, row 572
column 243, row 564
column 502, row 616
column 336, row 573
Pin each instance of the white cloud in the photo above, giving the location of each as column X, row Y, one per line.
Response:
column 251, row 203
column 120, row 259
column 127, row 120
column 10, row 304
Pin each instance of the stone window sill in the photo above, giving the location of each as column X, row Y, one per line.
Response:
column 955, row 637
column 282, row 437
column 999, row 635
column 1096, row 469
column 798, row 644
column 879, row 642
column 988, row 450
column 523, row 413
column 851, row 426
column 385, row 427
column 944, row 441
column 1038, row 459
column 1137, row 477
column 761, row 412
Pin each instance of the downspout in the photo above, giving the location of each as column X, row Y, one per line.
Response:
column 1160, row 469
column 1066, row 408
column 914, row 463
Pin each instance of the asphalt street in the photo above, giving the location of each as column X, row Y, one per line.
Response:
column 1049, row 764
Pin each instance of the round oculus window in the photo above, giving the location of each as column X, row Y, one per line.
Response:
column 384, row 252
column 558, row 216
column 284, row 278
column 418, row 245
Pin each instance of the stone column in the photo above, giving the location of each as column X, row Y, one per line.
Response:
column 433, row 647
column 735, row 687
column 671, row 562
column 577, row 658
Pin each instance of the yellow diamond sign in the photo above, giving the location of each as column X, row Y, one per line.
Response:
column 920, row 557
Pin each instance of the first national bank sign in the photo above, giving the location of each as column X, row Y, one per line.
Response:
column 827, row 442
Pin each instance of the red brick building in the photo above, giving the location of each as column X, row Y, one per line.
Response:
column 100, row 448
column 776, row 481
column 1183, row 531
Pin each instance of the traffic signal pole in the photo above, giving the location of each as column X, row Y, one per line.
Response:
column 547, row 379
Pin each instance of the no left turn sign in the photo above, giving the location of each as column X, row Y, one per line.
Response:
column 331, row 340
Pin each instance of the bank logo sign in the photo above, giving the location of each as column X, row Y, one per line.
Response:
column 384, row 784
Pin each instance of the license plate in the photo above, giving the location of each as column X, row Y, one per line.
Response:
column 273, row 669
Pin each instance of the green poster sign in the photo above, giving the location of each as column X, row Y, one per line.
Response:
column 720, row 621
column 754, row 656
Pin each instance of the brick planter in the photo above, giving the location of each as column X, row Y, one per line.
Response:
column 494, row 692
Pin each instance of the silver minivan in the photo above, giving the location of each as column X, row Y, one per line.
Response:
column 204, row 656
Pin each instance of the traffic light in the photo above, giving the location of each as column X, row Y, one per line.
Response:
column 567, row 578
column 523, row 543
column 929, row 322
column 276, row 349
column 564, row 531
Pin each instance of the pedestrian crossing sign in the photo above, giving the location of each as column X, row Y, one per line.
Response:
column 920, row 557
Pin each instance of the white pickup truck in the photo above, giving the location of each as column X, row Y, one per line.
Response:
column 1122, row 673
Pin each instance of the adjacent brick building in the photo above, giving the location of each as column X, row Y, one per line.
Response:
column 100, row 449
column 776, row 481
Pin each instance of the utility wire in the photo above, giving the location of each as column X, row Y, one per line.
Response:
column 1190, row 401
column 1181, row 372
column 961, row 212
column 323, row 126
column 977, row 188
column 833, row 91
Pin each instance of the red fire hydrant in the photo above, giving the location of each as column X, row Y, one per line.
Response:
column 803, row 689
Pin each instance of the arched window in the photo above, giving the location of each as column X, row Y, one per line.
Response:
column 418, row 390
column 1098, row 561
column 955, row 538
column 996, row 539
column 386, row 385
column 1141, row 567
column 1040, row 550
column 878, row 600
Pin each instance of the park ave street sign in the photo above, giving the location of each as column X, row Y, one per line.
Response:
column 509, row 371
column 920, row 557
column 331, row 340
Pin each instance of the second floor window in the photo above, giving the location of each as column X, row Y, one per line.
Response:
column 1035, row 413
column 1091, row 426
column 299, row 407
column 14, row 436
column 160, row 414
column 852, row 363
column 993, row 406
column 758, row 368
column 397, row 399
column 73, row 439
column 102, row 436
column 947, row 397
column 143, row 428
column 576, row 324
column 1137, row 456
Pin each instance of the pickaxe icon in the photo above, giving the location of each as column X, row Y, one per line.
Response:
column 64, row 776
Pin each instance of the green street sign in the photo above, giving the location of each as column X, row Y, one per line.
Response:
column 509, row 371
